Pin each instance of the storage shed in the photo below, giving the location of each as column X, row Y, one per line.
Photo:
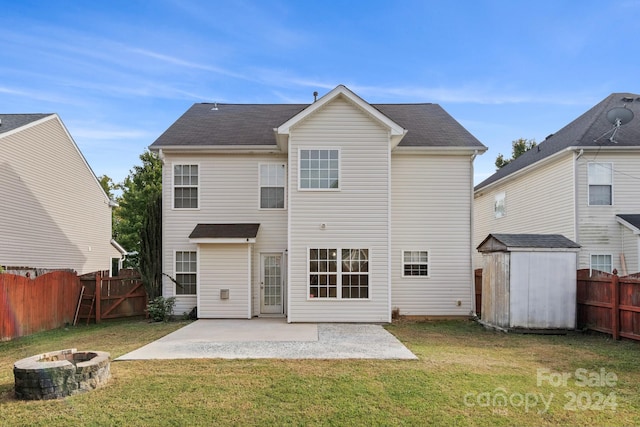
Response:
column 529, row 282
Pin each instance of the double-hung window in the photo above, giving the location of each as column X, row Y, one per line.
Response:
column 186, row 272
column 600, row 176
column 339, row 273
column 601, row 262
column 185, row 186
column 415, row 264
column 272, row 186
column 319, row 169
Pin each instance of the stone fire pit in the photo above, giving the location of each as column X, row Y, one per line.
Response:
column 60, row 373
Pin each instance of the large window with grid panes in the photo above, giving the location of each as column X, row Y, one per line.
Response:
column 338, row 273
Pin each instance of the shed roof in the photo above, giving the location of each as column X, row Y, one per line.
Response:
column 225, row 231
column 590, row 130
column 504, row 242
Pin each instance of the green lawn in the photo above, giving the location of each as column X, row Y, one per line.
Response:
column 462, row 377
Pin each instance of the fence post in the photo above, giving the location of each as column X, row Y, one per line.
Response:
column 615, row 305
column 98, row 296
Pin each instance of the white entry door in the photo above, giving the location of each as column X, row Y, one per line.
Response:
column 271, row 285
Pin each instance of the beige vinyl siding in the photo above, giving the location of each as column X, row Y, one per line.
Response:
column 54, row 213
column 229, row 193
column 598, row 230
column 356, row 216
column 540, row 201
column 223, row 266
column 431, row 210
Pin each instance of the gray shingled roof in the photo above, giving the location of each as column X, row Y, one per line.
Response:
column 631, row 219
column 9, row 122
column 252, row 124
column 582, row 132
column 225, row 231
column 526, row 241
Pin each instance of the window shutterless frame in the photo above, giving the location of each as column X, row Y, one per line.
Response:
column 415, row 264
column 338, row 274
column 272, row 186
column 185, row 186
column 600, row 184
column 186, row 272
column 319, row 169
column 601, row 262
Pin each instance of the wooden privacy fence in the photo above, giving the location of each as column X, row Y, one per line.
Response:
column 53, row 299
column 122, row 296
column 32, row 305
column 608, row 303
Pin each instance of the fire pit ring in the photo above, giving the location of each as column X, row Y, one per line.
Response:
column 60, row 374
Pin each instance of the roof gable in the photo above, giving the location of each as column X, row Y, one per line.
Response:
column 396, row 131
column 590, row 130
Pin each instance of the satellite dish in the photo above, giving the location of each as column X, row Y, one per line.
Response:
column 619, row 116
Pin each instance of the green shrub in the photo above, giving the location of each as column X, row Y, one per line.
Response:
column 160, row 309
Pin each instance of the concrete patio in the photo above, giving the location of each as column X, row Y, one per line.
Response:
column 273, row 338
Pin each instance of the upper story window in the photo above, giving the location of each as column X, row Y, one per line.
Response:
column 498, row 205
column 272, row 187
column 319, row 169
column 185, row 186
column 600, row 176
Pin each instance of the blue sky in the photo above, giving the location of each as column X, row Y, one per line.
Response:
column 120, row 72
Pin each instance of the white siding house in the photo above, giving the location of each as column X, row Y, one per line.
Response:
column 54, row 213
column 580, row 182
column 322, row 212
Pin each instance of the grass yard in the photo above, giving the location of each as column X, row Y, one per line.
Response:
column 466, row 375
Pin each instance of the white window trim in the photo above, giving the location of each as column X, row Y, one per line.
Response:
column 598, row 254
column 589, row 184
column 175, row 273
column 402, row 263
column 260, row 186
column 500, row 197
column 338, row 277
column 173, row 185
column 300, row 188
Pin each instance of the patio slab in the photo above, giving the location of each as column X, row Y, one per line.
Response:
column 273, row 339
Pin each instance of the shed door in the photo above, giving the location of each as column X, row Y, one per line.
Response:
column 271, row 285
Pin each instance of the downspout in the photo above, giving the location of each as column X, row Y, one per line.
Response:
column 576, row 205
column 471, row 231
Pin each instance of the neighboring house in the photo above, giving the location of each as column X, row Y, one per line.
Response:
column 335, row 211
column 54, row 213
column 582, row 182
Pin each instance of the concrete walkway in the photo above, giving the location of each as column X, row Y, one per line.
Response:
column 271, row 338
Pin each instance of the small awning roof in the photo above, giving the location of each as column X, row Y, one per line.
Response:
column 224, row 233
column 632, row 222
column 526, row 242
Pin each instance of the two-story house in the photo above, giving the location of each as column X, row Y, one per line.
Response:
column 335, row 211
column 54, row 213
column 582, row 182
